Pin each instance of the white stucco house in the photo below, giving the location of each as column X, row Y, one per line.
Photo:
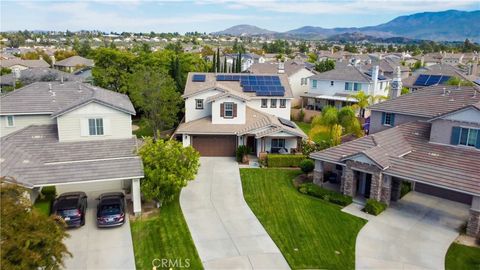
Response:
column 70, row 135
column 223, row 111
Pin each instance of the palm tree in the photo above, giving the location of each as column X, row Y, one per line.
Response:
column 364, row 100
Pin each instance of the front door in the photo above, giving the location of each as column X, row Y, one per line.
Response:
column 368, row 183
column 251, row 142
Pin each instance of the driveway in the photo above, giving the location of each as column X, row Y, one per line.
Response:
column 225, row 231
column 413, row 233
column 94, row 248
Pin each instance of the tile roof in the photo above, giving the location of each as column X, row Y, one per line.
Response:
column 75, row 61
column 291, row 67
column 33, row 156
column 26, row 63
column 430, row 101
column 38, row 98
column 38, row 74
column 405, row 151
column 344, row 73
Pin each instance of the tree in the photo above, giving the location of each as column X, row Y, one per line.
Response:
column 63, row 54
column 76, row 45
column 312, row 57
column 112, row 68
column 5, row 70
column 168, row 167
column 85, row 48
column 155, row 94
column 325, row 65
column 364, row 100
column 207, row 51
column 303, row 47
column 459, row 82
column 30, row 240
column 217, row 63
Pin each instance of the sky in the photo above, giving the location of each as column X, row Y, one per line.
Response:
column 209, row 15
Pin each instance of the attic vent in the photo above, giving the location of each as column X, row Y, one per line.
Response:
column 38, row 137
column 25, row 161
column 434, row 154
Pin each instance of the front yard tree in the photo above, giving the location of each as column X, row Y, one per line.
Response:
column 29, row 239
column 168, row 167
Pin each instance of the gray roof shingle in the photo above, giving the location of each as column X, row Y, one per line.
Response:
column 75, row 61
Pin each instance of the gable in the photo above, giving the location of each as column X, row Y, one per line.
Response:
column 470, row 115
column 93, row 108
column 362, row 158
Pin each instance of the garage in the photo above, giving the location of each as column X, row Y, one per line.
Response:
column 95, row 188
column 443, row 193
column 215, row 146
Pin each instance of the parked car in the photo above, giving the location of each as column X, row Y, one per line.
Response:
column 71, row 207
column 111, row 209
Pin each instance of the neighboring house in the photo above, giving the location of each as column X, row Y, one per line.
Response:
column 20, row 64
column 248, row 59
column 334, row 87
column 31, row 75
column 387, row 67
column 422, row 77
column 70, row 135
column 420, row 105
column 298, row 73
column 223, row 111
column 74, row 63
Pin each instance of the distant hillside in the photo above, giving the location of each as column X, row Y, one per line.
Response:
column 359, row 37
column 244, row 30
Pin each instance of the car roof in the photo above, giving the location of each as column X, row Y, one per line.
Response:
column 111, row 195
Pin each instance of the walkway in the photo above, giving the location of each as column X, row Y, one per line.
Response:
column 225, row 231
column 413, row 233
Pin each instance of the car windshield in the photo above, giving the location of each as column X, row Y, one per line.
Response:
column 110, row 209
column 67, row 212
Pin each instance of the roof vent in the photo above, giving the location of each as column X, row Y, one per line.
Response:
column 49, row 86
column 2, row 160
column 444, row 91
column 434, row 154
column 25, row 161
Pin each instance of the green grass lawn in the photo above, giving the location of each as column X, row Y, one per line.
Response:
column 164, row 236
column 462, row 257
column 43, row 206
column 310, row 232
column 306, row 127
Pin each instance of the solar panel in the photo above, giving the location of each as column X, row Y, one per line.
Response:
column 428, row 80
column 198, row 78
column 286, row 122
column 444, row 79
column 421, row 80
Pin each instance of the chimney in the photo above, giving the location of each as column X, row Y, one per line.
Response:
column 396, row 89
column 281, row 67
column 49, row 86
column 375, row 80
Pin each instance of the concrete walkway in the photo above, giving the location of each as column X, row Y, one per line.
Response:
column 414, row 233
column 225, row 231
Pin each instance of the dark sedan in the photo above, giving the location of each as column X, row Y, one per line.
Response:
column 111, row 209
column 71, row 207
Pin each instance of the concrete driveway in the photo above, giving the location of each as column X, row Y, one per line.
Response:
column 94, row 248
column 414, row 233
column 225, row 231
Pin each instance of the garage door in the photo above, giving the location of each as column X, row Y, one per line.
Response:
column 215, row 146
column 94, row 188
column 444, row 193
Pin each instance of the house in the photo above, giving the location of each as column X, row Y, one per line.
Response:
column 71, row 135
column 334, row 87
column 387, row 67
column 31, row 75
column 20, row 64
column 73, row 63
column 441, row 74
column 224, row 111
column 248, row 59
column 297, row 72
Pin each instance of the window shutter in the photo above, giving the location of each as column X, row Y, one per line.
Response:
column 222, row 110
column 234, row 110
column 455, row 138
column 477, row 145
column 106, row 126
column 392, row 119
column 84, row 127
column 384, row 115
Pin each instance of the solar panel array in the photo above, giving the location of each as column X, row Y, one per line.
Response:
column 427, row 80
column 261, row 85
column 286, row 122
column 198, row 78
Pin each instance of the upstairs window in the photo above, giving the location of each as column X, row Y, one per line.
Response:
column 348, row 86
column 273, row 103
column 264, row 103
column 357, row 86
column 388, row 119
column 10, row 121
column 228, row 110
column 95, row 126
column 314, row 83
column 466, row 137
column 199, row 104
column 283, row 103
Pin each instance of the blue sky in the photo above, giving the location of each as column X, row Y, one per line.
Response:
column 209, row 15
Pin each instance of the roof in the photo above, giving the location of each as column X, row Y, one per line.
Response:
column 344, row 73
column 405, row 151
column 291, row 67
column 33, row 156
column 192, row 88
column 256, row 122
column 430, row 101
column 75, row 61
column 388, row 65
column 27, row 63
column 37, row 98
column 38, row 74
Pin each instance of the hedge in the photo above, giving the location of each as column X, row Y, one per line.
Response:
column 49, row 192
column 278, row 160
column 325, row 194
column 374, row 207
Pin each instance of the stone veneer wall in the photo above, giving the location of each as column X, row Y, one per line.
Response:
column 396, row 189
column 473, row 226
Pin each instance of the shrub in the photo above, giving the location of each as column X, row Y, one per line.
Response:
column 242, row 150
column 309, row 147
column 405, row 188
column 49, row 193
column 307, row 166
column 277, row 160
column 324, row 194
column 301, row 115
column 374, row 207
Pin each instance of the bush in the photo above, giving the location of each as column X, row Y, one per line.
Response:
column 242, row 150
column 309, row 147
column 405, row 188
column 301, row 115
column 277, row 160
column 307, row 166
column 324, row 194
column 49, row 193
column 374, row 207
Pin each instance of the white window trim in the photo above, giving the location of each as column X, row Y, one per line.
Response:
column 284, row 101
column 266, row 103
column 103, row 127
column 13, row 121
column 197, row 103
column 225, row 110
column 273, row 103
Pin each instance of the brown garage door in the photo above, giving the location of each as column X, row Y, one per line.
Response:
column 215, row 146
column 444, row 193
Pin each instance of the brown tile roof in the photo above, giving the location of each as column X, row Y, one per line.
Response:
column 405, row 152
column 27, row 63
column 291, row 67
column 430, row 101
column 75, row 61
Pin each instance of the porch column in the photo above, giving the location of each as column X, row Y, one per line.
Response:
column 386, row 189
column 347, row 186
column 473, row 226
column 136, row 197
column 376, row 186
column 318, row 173
column 396, row 189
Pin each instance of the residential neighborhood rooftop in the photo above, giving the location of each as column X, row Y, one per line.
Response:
column 75, row 61
column 347, row 73
column 26, row 63
column 290, row 67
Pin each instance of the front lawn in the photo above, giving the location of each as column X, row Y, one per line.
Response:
column 462, row 257
column 164, row 236
column 310, row 232
column 43, row 206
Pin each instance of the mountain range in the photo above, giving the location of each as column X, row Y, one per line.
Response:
column 449, row 25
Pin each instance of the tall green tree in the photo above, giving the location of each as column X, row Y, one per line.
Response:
column 225, row 67
column 168, row 168
column 112, row 69
column 76, row 45
column 325, row 65
column 364, row 100
column 29, row 239
column 217, row 67
column 85, row 50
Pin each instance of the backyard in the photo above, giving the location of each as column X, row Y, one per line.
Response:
column 310, row 232
column 462, row 257
column 306, row 127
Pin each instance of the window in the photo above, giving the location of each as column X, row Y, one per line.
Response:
column 348, row 86
column 388, row 119
column 277, row 144
column 357, row 86
column 283, row 103
column 95, row 126
column 331, row 83
column 331, row 103
column 199, row 104
column 314, row 83
column 264, row 103
column 10, row 121
column 273, row 103
column 469, row 136
column 228, row 110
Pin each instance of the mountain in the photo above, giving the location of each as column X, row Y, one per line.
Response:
column 244, row 30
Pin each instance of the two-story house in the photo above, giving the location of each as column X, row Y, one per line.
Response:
column 248, row 59
column 223, row 111
column 71, row 135
column 334, row 87
column 437, row 150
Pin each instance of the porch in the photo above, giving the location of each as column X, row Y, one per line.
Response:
column 317, row 102
column 277, row 144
